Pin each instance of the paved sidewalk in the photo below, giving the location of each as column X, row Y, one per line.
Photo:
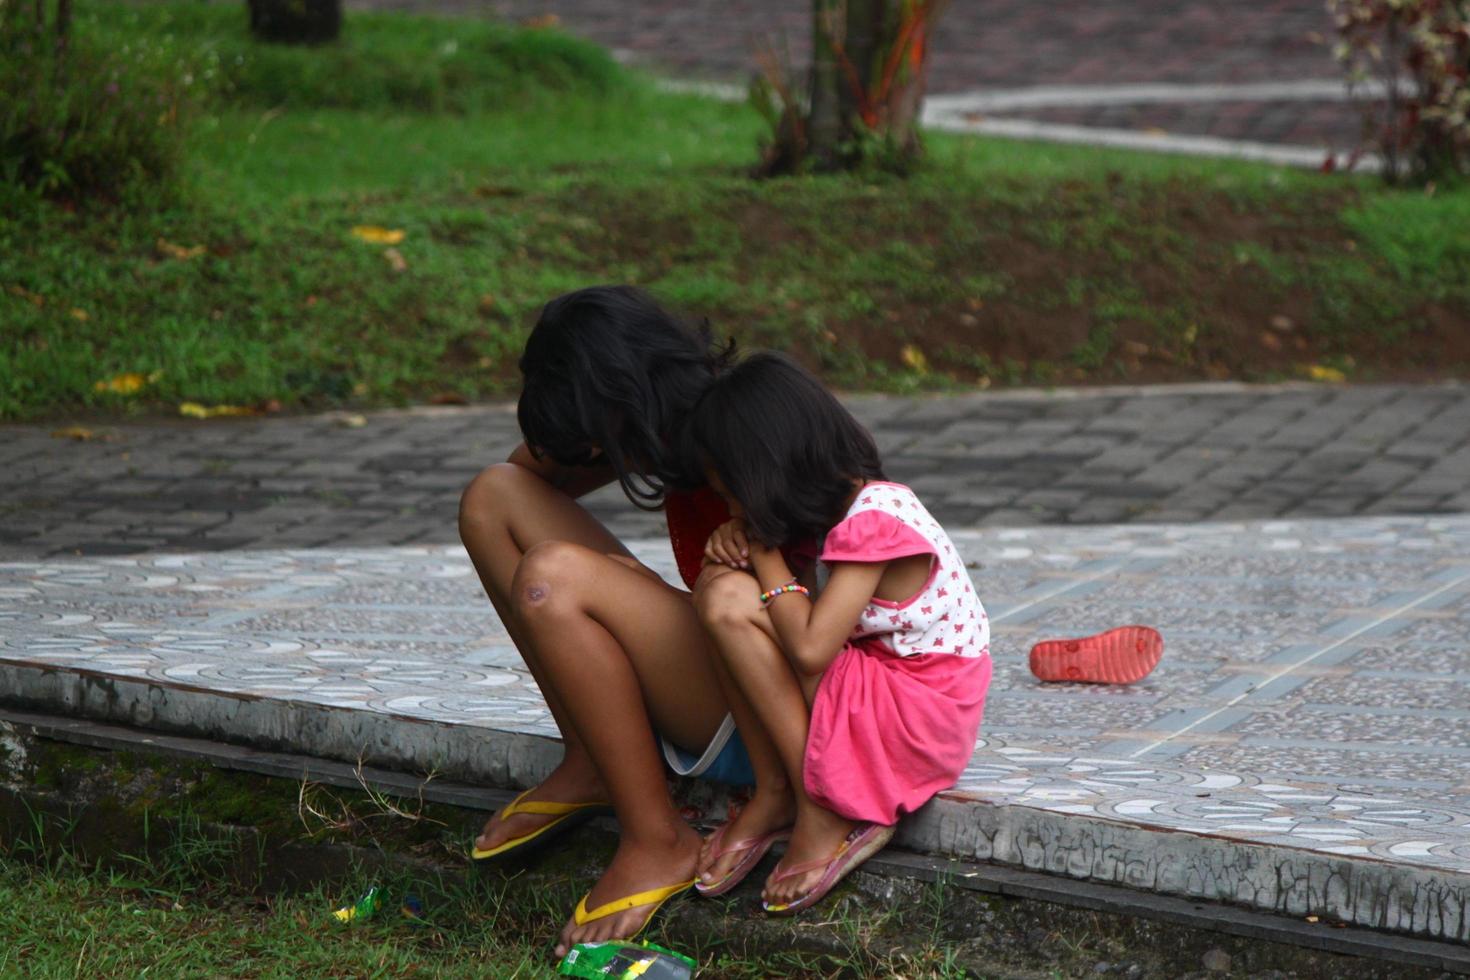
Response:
column 1017, row 459
column 988, row 45
column 1304, row 747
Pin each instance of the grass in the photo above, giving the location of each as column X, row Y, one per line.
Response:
column 68, row 919
column 521, row 163
column 172, row 892
column 131, row 863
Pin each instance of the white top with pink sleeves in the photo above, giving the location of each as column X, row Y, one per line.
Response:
column 886, row 521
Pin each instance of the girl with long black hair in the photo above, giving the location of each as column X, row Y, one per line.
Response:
column 618, row 653
column 858, row 697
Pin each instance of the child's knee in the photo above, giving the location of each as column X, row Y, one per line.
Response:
column 731, row 599
column 546, row 576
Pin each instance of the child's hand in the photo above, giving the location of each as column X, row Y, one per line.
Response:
column 728, row 545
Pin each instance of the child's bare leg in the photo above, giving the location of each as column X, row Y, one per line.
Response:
column 745, row 639
column 504, row 512
column 773, row 804
column 620, row 648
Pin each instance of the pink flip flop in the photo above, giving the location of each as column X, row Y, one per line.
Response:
column 1119, row 656
column 755, row 849
column 865, row 840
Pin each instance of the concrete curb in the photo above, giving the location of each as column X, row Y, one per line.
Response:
column 1425, row 902
column 18, row 729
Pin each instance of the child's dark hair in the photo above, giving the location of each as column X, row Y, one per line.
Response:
column 607, row 368
column 783, row 445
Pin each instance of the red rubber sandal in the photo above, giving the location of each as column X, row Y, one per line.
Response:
column 1119, row 656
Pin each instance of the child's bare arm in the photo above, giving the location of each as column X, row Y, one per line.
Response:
column 813, row 633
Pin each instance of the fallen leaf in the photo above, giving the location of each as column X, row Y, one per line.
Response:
column 915, row 359
column 543, row 21
column 487, row 304
column 485, row 362
column 378, row 235
column 169, row 250
column 35, row 299
column 496, row 190
column 1318, row 372
column 127, row 383
column 1135, row 348
column 77, row 432
column 1270, row 341
column 194, row 410
column 1154, row 131
column 1282, row 323
column 969, row 319
column 79, row 314
column 1312, row 918
column 352, row 421
column 395, row 260
column 448, row 398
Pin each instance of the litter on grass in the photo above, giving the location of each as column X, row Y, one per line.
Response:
column 625, row 961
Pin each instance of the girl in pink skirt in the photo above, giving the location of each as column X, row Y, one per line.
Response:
column 857, row 683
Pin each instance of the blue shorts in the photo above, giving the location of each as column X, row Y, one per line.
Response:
column 724, row 760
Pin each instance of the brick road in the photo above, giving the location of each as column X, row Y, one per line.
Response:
column 1005, row 44
column 1003, row 459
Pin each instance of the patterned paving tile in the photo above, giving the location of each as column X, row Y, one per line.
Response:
column 1315, row 691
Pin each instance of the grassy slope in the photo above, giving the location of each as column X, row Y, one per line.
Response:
column 1003, row 261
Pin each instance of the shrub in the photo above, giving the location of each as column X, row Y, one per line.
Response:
column 79, row 119
column 1419, row 50
column 381, row 61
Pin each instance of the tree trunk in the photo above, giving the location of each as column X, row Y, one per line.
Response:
column 866, row 88
column 824, row 128
column 296, row 21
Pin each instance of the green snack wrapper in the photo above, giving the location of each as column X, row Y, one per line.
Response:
column 365, row 908
column 625, row 961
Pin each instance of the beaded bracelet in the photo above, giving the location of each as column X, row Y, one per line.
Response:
column 769, row 597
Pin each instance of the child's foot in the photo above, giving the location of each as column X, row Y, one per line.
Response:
column 568, row 783
column 634, row 869
column 1119, row 656
column 768, row 811
column 818, row 835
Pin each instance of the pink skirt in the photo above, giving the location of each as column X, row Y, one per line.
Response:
column 888, row 732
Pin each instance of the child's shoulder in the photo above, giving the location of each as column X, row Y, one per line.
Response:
column 882, row 494
column 895, row 499
column 885, row 521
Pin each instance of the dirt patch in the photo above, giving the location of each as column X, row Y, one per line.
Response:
column 1106, row 281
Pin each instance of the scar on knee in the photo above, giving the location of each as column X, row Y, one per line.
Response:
column 537, row 592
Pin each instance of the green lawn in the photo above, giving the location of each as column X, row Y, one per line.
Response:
column 521, row 163
column 75, row 922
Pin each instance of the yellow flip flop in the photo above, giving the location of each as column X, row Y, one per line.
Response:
column 564, row 812
column 655, row 897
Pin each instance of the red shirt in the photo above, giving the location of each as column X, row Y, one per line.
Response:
column 693, row 516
